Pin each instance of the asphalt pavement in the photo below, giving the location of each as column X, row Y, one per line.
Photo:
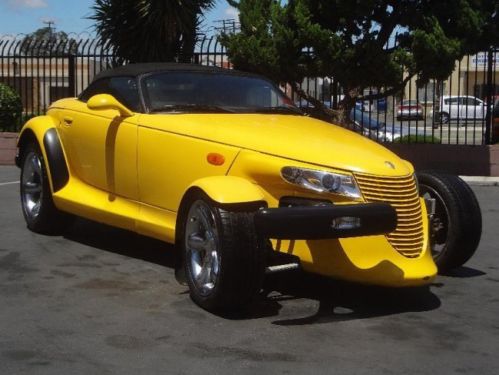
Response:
column 99, row 300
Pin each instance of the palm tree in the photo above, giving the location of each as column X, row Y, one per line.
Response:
column 149, row 30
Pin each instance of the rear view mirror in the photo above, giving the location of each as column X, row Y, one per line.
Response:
column 106, row 102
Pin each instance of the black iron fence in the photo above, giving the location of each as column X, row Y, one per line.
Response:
column 458, row 110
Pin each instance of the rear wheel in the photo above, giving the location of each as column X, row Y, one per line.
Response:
column 223, row 259
column 36, row 198
column 456, row 220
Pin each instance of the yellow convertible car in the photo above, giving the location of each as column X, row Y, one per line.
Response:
column 223, row 165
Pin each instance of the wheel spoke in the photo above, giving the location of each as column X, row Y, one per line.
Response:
column 201, row 243
column 32, row 188
column 37, row 168
column 204, row 276
column 204, row 216
column 36, row 209
column 214, row 267
column 196, row 242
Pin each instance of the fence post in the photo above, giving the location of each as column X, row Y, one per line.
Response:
column 490, row 93
column 71, row 75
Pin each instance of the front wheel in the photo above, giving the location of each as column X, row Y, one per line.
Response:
column 224, row 260
column 454, row 217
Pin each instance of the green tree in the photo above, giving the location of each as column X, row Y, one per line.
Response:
column 10, row 108
column 350, row 40
column 149, row 30
column 46, row 42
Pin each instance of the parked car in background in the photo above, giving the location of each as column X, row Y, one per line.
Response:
column 372, row 126
column 460, row 108
column 379, row 105
column 366, row 124
column 410, row 110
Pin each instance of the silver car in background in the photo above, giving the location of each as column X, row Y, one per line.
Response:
column 461, row 108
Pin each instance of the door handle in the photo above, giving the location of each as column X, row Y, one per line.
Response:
column 68, row 120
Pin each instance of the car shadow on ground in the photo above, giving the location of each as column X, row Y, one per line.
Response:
column 336, row 300
column 121, row 242
column 464, row 272
column 342, row 301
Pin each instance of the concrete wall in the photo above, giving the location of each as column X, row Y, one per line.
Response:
column 7, row 148
column 456, row 159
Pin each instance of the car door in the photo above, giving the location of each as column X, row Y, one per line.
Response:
column 473, row 108
column 100, row 145
column 455, row 105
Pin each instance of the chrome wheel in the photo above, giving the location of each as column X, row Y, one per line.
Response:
column 202, row 245
column 32, row 185
column 439, row 220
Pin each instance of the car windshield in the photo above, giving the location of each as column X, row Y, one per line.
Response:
column 198, row 92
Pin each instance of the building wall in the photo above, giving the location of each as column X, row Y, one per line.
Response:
column 468, row 78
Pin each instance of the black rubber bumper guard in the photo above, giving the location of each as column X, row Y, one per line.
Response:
column 318, row 222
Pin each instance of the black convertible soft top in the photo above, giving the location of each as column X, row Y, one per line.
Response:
column 135, row 70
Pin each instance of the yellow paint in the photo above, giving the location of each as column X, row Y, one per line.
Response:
column 132, row 172
column 101, row 147
column 229, row 189
column 170, row 162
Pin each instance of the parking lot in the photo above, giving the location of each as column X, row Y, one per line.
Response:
column 100, row 300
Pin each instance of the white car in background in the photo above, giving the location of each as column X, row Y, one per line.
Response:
column 460, row 108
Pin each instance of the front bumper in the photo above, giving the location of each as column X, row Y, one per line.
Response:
column 326, row 222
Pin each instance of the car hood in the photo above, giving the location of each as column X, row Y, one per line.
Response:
column 299, row 138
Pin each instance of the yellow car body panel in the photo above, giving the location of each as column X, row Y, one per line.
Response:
column 133, row 173
column 101, row 147
column 163, row 176
column 229, row 189
column 298, row 138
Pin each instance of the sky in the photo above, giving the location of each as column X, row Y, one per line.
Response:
column 25, row 16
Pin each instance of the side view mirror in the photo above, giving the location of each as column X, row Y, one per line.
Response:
column 106, row 102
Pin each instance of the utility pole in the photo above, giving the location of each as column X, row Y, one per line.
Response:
column 50, row 23
column 227, row 26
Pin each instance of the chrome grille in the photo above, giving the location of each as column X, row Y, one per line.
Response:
column 402, row 194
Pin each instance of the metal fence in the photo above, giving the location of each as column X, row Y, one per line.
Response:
column 458, row 110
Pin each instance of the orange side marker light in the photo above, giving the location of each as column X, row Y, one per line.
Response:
column 215, row 158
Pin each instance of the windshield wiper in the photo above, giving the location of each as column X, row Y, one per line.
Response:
column 197, row 108
column 280, row 109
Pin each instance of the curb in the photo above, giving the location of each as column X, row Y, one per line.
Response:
column 481, row 180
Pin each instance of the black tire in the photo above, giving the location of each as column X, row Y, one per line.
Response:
column 444, row 118
column 456, row 226
column 38, row 208
column 236, row 270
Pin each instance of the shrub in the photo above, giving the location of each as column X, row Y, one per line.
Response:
column 413, row 138
column 11, row 108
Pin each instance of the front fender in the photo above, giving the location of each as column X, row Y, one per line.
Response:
column 35, row 128
column 42, row 130
column 229, row 189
